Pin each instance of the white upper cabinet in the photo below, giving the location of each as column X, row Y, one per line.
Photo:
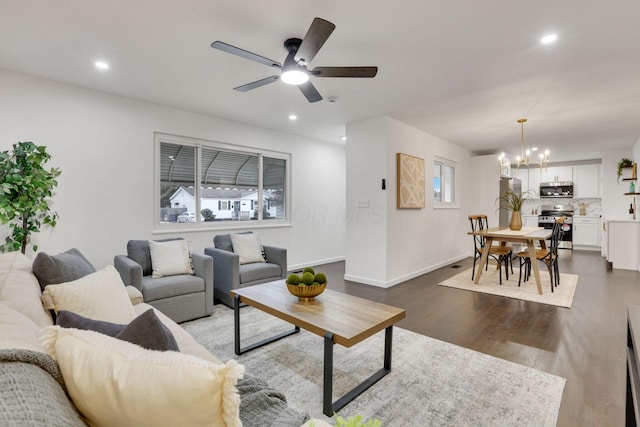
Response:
column 587, row 181
column 557, row 174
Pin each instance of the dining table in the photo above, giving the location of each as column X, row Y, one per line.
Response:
column 526, row 236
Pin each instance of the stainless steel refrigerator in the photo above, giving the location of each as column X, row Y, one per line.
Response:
column 508, row 184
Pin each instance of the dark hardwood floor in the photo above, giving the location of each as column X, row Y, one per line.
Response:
column 585, row 344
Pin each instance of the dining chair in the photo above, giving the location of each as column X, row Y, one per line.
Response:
column 502, row 254
column 548, row 256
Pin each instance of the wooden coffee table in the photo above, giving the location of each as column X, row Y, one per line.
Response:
column 339, row 318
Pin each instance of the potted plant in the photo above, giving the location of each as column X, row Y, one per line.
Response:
column 624, row 163
column 513, row 202
column 26, row 189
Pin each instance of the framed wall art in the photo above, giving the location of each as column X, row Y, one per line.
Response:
column 410, row 180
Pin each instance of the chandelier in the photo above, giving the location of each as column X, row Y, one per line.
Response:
column 524, row 159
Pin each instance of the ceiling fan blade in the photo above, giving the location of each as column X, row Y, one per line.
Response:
column 245, row 54
column 310, row 92
column 345, row 71
column 257, row 84
column 317, row 34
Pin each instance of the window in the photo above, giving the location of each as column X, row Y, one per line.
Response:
column 444, row 182
column 204, row 181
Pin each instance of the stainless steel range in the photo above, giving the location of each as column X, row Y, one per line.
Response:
column 548, row 216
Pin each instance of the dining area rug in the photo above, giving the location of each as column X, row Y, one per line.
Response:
column 562, row 296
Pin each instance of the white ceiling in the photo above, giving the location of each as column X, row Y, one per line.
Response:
column 462, row 70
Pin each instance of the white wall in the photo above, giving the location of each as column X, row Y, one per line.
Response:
column 366, row 242
column 615, row 205
column 400, row 243
column 104, row 146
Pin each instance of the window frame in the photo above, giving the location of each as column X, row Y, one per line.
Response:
column 198, row 144
column 442, row 162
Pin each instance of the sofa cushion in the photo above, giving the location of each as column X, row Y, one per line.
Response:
column 17, row 330
column 248, row 248
column 115, row 383
column 20, row 291
column 146, row 330
column 170, row 286
column 259, row 271
column 100, row 295
column 138, row 250
column 61, row 268
column 169, row 258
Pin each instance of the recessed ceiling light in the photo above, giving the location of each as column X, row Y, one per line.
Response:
column 344, row 138
column 101, row 65
column 292, row 117
column 549, row 38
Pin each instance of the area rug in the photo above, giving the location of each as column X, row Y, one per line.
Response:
column 562, row 295
column 432, row 383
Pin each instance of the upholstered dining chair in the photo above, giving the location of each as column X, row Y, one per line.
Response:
column 548, row 256
column 502, row 254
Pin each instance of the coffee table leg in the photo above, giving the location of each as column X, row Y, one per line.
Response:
column 236, row 329
column 329, row 408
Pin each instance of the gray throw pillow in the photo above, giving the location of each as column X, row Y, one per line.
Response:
column 146, row 330
column 64, row 267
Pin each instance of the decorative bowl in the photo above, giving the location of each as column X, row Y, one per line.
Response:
column 306, row 292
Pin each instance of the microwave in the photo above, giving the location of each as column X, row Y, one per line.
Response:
column 556, row 189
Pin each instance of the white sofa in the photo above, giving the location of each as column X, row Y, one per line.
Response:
column 30, row 387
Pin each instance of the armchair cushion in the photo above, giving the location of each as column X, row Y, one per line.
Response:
column 170, row 286
column 169, row 258
column 61, row 268
column 259, row 271
column 248, row 248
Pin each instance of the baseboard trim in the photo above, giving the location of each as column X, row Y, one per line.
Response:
column 404, row 277
column 295, row 267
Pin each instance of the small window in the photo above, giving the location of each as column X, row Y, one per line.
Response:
column 444, row 173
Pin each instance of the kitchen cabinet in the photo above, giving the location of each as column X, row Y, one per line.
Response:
column 623, row 244
column 534, row 183
column 530, row 220
column 587, row 181
column 556, row 174
column 586, row 231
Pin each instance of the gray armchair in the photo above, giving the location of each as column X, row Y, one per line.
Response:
column 230, row 274
column 181, row 297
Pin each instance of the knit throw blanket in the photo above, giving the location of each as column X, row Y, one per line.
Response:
column 32, row 391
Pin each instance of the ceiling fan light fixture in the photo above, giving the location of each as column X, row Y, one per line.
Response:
column 294, row 77
column 548, row 39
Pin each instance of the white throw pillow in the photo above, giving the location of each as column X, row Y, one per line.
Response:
column 248, row 247
column 170, row 258
column 100, row 296
column 115, row 383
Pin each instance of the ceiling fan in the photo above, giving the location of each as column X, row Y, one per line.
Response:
column 301, row 53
